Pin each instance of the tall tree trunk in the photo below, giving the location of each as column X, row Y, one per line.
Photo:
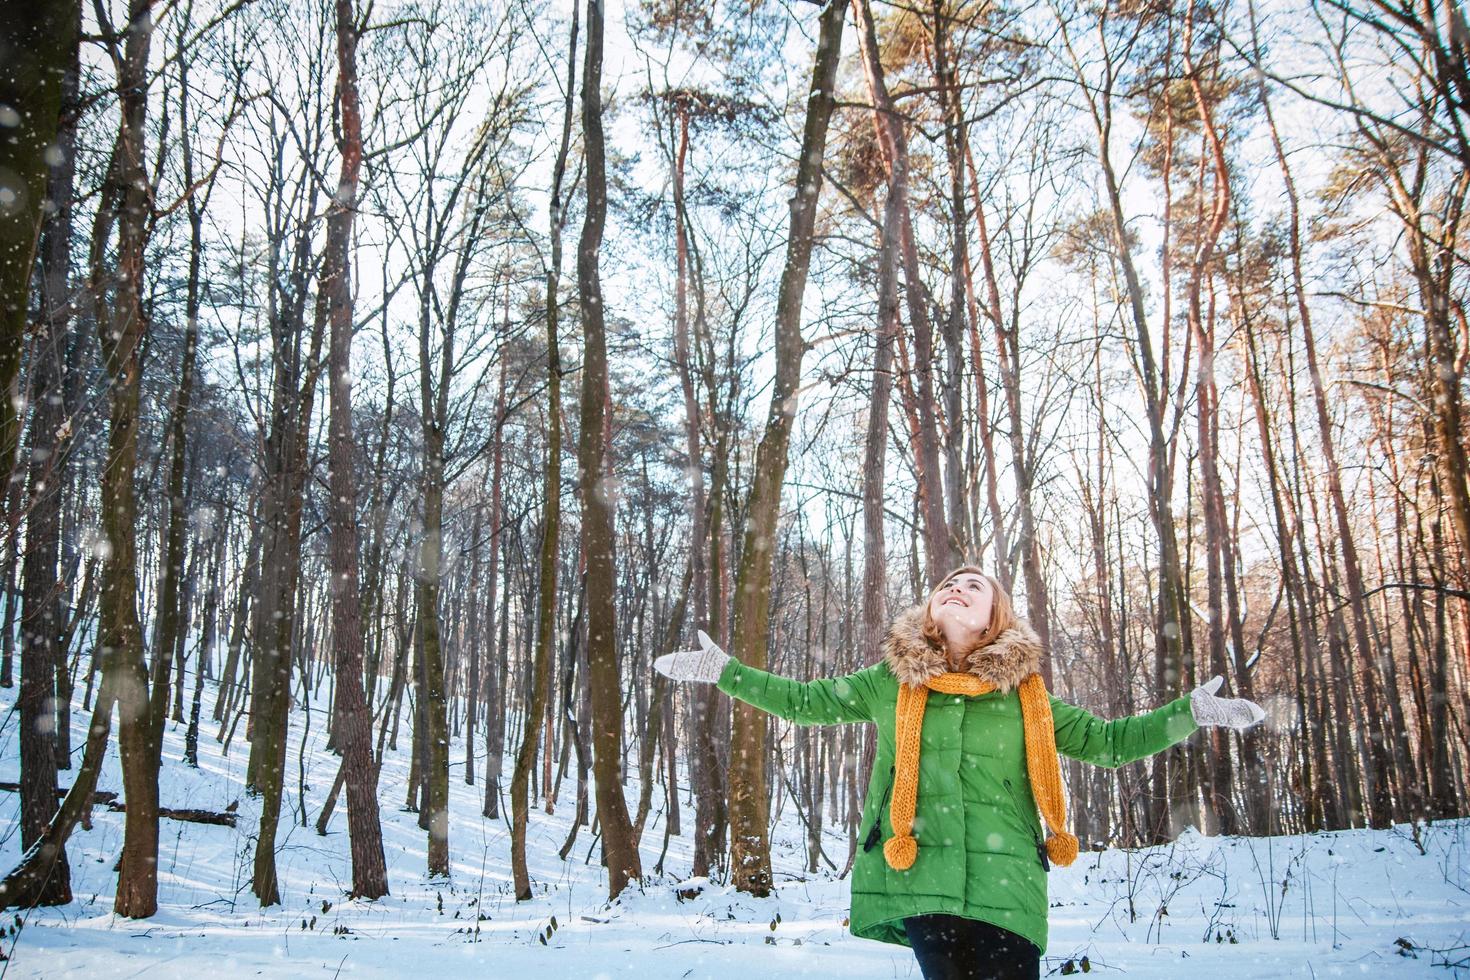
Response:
column 535, row 706
column 1218, row 769
column 1173, row 647
column 875, row 441
column 953, row 326
column 599, row 497
column 40, row 49
column 1023, row 465
column 993, row 310
column 353, row 724
column 709, row 709
column 168, row 630
column 433, row 705
column 750, row 855
column 940, row 552
column 121, row 329
column 472, row 685
column 495, row 655
column 276, row 612
column 499, row 697
column 705, row 704
column 43, row 655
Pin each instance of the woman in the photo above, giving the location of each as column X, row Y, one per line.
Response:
column 967, row 753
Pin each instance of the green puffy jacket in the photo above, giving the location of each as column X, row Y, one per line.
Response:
column 976, row 822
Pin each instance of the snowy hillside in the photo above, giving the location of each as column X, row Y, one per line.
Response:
column 1384, row 904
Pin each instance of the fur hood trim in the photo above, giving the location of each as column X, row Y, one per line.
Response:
column 1013, row 656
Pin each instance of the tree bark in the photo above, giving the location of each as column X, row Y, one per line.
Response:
column 167, row 632
column 1173, row 645
column 750, row 855
column 294, row 377
column 993, row 309
column 40, row 50
column 940, row 551
column 353, row 724
column 42, row 621
column 1219, row 775
column 535, row 706
column 121, row 329
column 875, row 441
column 952, row 328
column 599, row 493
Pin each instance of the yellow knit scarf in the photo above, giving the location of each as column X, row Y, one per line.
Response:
column 1041, row 763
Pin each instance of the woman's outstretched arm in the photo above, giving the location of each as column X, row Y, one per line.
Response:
column 827, row 701
column 1082, row 735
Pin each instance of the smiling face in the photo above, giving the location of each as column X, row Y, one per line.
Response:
column 960, row 610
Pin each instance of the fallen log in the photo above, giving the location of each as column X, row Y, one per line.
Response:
column 213, row 817
column 98, row 797
column 110, row 800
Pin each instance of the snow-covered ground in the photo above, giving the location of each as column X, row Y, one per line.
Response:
column 1377, row 903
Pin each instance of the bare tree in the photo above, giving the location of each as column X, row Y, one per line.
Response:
column 1174, row 647
column 535, row 705
column 43, row 654
column 750, row 855
column 291, row 196
column 354, row 720
column 598, row 493
column 121, row 328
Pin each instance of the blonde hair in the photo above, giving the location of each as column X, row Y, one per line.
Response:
column 1002, row 611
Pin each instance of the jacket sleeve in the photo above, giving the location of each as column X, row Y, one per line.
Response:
column 1082, row 735
column 827, row 701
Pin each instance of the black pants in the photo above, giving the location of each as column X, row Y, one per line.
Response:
column 949, row 947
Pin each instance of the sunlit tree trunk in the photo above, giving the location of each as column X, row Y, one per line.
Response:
column 704, row 703
column 535, row 706
column 940, row 551
column 599, row 495
column 1173, row 647
column 749, row 849
column 353, row 731
column 993, row 310
column 1217, row 777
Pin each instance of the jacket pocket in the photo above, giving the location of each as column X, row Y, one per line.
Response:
column 1021, row 808
column 876, row 833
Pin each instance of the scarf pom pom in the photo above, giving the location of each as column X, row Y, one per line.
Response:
column 1061, row 848
column 900, row 852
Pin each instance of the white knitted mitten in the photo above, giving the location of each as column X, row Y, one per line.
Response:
column 1210, row 711
column 704, row 665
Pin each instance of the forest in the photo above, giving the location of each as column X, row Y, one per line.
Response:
column 396, row 379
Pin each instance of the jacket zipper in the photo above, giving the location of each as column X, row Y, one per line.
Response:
column 876, row 833
column 1040, row 847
